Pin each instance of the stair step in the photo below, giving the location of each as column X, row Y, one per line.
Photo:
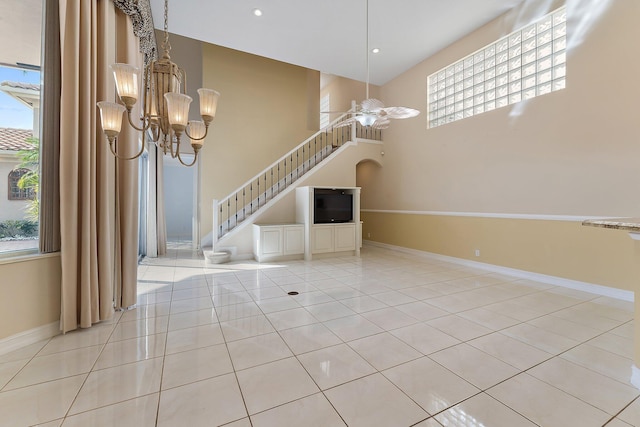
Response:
column 268, row 194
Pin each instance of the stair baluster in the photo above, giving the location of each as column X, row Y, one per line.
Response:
column 307, row 155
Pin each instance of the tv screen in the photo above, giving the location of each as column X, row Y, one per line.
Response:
column 331, row 206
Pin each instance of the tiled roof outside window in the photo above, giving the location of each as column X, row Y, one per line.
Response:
column 15, row 139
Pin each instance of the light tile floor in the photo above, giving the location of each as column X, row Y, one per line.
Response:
column 386, row 339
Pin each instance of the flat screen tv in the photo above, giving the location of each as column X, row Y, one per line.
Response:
column 332, row 206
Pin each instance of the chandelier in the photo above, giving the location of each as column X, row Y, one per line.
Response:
column 166, row 106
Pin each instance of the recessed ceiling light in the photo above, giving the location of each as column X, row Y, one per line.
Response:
column 375, row 50
column 257, row 12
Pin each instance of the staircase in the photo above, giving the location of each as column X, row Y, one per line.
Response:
column 252, row 196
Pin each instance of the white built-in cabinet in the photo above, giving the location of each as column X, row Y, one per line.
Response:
column 293, row 239
column 305, row 238
column 333, row 238
column 328, row 238
column 275, row 242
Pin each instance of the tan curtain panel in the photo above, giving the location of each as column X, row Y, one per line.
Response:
column 98, row 225
column 50, row 133
column 140, row 13
column 127, row 178
column 161, row 220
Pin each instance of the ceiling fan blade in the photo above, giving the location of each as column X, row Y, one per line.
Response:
column 372, row 105
column 335, row 112
column 399, row 112
column 381, row 123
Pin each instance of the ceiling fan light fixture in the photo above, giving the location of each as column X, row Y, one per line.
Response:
column 257, row 12
column 366, row 119
column 371, row 112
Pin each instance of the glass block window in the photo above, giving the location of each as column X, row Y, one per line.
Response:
column 519, row 66
column 15, row 192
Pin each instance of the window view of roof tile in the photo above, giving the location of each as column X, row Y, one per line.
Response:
column 21, row 85
column 26, row 93
column 15, row 139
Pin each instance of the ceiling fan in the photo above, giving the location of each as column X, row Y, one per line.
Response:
column 372, row 112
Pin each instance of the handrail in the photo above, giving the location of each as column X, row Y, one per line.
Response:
column 275, row 178
column 274, row 164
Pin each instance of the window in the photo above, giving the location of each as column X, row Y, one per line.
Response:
column 20, row 75
column 519, row 66
column 15, row 192
column 325, row 105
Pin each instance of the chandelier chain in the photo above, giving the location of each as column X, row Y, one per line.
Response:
column 165, row 44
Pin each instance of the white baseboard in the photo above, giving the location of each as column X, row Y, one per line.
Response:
column 552, row 280
column 32, row 336
column 242, row 257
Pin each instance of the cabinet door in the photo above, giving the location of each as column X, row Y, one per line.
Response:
column 271, row 241
column 322, row 239
column 345, row 237
column 293, row 240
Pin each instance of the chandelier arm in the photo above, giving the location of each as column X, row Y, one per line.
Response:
column 148, row 118
column 206, row 131
column 146, row 122
column 195, row 158
column 175, row 153
column 111, row 144
column 183, row 75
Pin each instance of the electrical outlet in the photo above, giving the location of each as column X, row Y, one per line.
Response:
column 477, row 252
column 368, row 235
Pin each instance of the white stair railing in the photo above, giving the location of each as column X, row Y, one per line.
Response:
column 256, row 192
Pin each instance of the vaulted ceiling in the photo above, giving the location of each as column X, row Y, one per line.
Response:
column 330, row 35
column 325, row 35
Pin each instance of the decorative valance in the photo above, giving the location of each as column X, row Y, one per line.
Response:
column 140, row 13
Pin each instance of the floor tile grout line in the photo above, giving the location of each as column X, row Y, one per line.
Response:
column 520, row 323
column 341, row 384
column 84, row 382
column 622, row 410
column 235, row 372
column 164, row 354
column 540, row 363
column 29, row 360
column 581, row 342
column 523, row 371
column 306, row 370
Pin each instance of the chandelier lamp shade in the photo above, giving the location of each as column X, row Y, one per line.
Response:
column 165, row 117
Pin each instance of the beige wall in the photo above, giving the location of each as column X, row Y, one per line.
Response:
column 30, row 291
column 342, row 91
column 563, row 249
column 264, row 111
column 337, row 171
column 571, row 152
